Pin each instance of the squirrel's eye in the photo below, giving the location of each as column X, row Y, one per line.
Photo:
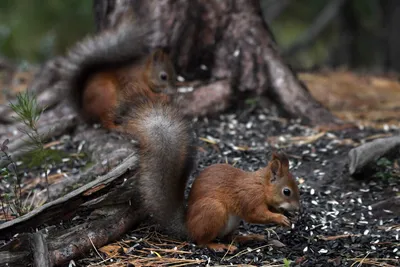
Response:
column 163, row 76
column 286, row 192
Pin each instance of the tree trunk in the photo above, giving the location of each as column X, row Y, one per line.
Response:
column 223, row 43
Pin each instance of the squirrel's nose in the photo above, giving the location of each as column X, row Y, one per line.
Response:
column 297, row 207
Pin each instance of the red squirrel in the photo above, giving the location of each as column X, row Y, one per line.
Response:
column 222, row 195
column 105, row 91
column 115, row 67
column 113, row 79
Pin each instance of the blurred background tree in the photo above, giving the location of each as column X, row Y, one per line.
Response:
column 358, row 34
column 36, row 30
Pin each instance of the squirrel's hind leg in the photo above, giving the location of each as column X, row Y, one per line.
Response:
column 206, row 218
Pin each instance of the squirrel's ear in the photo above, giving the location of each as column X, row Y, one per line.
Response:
column 275, row 167
column 160, row 54
column 275, row 155
column 282, row 158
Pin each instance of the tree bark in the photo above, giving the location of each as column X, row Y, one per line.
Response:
column 227, row 45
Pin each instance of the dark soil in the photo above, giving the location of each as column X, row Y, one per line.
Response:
column 338, row 226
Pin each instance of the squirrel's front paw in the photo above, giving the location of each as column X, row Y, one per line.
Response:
column 283, row 220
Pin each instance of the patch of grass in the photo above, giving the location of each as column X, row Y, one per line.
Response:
column 251, row 101
column 383, row 175
column 385, row 169
column 383, row 162
column 286, row 262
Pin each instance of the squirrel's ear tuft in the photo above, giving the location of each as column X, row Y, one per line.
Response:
column 275, row 168
column 282, row 158
column 275, row 155
column 160, row 54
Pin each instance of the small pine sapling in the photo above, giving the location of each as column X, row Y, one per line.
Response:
column 29, row 113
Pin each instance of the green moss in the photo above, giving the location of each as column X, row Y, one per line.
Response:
column 385, row 169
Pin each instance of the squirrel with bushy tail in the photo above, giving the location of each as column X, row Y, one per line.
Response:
column 114, row 79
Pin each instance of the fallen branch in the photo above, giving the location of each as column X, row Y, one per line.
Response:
column 84, row 196
column 65, row 245
column 366, row 154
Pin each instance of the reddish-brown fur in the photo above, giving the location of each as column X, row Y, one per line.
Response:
column 104, row 91
column 100, row 98
column 222, row 190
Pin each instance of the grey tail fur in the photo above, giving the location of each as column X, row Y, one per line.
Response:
column 167, row 157
column 107, row 50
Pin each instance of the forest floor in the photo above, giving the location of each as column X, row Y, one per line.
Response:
column 342, row 223
column 338, row 226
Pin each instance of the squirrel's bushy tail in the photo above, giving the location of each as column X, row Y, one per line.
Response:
column 107, row 50
column 167, row 157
